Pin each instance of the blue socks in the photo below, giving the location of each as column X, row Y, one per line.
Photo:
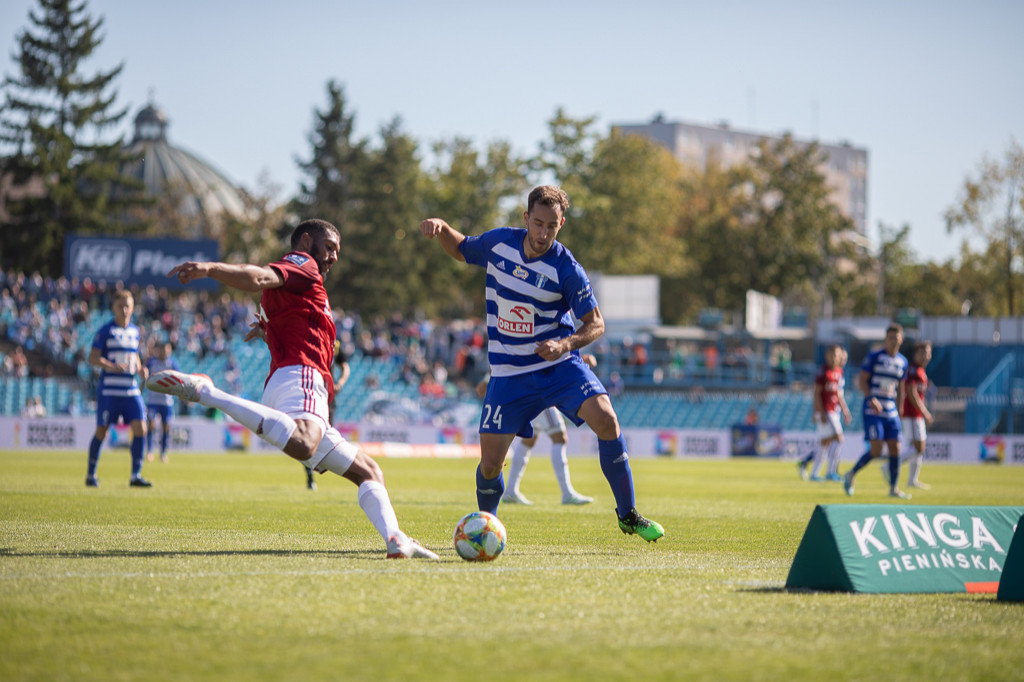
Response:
column 138, row 449
column 94, row 454
column 862, row 462
column 489, row 491
column 894, row 470
column 615, row 466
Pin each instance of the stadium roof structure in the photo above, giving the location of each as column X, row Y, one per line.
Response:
column 205, row 192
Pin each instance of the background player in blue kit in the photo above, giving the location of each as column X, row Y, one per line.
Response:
column 882, row 379
column 115, row 351
column 159, row 404
column 533, row 283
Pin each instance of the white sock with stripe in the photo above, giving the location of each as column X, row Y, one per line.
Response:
column 272, row 426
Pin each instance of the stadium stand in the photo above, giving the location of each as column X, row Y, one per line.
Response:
column 46, row 327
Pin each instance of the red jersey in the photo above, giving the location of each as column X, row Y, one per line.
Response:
column 917, row 381
column 831, row 381
column 297, row 319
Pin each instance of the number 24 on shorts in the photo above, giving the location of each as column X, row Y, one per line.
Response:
column 492, row 417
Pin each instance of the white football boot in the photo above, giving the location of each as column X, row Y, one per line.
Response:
column 576, row 498
column 179, row 384
column 404, row 547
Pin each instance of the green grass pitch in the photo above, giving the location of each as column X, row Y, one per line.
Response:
column 229, row 569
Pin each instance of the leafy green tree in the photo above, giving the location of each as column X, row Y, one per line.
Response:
column 567, row 158
column 713, row 228
column 632, row 222
column 980, row 284
column 992, row 203
column 796, row 228
column 469, row 190
column 944, row 288
column 53, row 131
column 897, row 280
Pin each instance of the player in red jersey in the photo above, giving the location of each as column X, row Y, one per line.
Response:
column 829, row 400
column 296, row 322
column 916, row 416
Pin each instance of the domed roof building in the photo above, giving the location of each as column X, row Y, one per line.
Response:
column 201, row 195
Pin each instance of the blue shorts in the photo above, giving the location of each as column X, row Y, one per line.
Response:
column 878, row 427
column 513, row 402
column 128, row 408
column 164, row 411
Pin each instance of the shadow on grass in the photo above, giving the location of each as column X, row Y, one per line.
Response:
column 781, row 589
column 6, row 552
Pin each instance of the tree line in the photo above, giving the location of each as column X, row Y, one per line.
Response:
column 709, row 233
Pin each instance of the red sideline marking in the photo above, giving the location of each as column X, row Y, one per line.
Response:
column 430, row 450
column 982, row 588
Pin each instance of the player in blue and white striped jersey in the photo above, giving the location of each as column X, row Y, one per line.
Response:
column 159, row 404
column 882, row 380
column 534, row 287
column 115, row 351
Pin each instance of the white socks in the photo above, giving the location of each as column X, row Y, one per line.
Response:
column 819, row 457
column 376, row 504
column 913, row 467
column 833, row 458
column 520, row 458
column 272, row 426
column 560, row 465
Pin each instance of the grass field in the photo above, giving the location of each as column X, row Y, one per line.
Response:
column 230, row 569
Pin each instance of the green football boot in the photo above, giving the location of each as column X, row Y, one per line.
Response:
column 633, row 523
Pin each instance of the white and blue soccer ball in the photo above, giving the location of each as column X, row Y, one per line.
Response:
column 479, row 536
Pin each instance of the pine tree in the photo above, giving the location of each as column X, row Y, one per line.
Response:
column 62, row 167
column 328, row 192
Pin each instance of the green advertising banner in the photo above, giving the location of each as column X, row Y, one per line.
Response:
column 1011, row 586
column 904, row 548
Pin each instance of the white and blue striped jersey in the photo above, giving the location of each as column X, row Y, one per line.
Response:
column 154, row 365
column 119, row 345
column 885, row 372
column 528, row 301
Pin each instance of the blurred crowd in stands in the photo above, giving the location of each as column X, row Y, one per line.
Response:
column 53, row 321
column 47, row 325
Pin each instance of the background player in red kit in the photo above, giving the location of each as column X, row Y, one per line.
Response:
column 829, row 400
column 916, row 416
column 296, row 322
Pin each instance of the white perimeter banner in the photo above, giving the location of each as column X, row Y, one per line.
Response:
column 194, row 434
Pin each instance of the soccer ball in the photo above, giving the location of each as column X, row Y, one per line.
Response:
column 479, row 536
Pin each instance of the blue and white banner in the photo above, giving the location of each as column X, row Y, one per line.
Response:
column 136, row 261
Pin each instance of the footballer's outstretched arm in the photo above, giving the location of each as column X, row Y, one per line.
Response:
column 245, row 277
column 449, row 237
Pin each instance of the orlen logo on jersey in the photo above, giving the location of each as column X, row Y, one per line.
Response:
column 515, row 318
column 101, row 259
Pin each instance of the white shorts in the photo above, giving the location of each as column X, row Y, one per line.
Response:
column 299, row 392
column 550, row 421
column 915, row 429
column 831, row 427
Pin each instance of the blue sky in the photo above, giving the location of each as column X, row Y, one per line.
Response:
column 929, row 87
